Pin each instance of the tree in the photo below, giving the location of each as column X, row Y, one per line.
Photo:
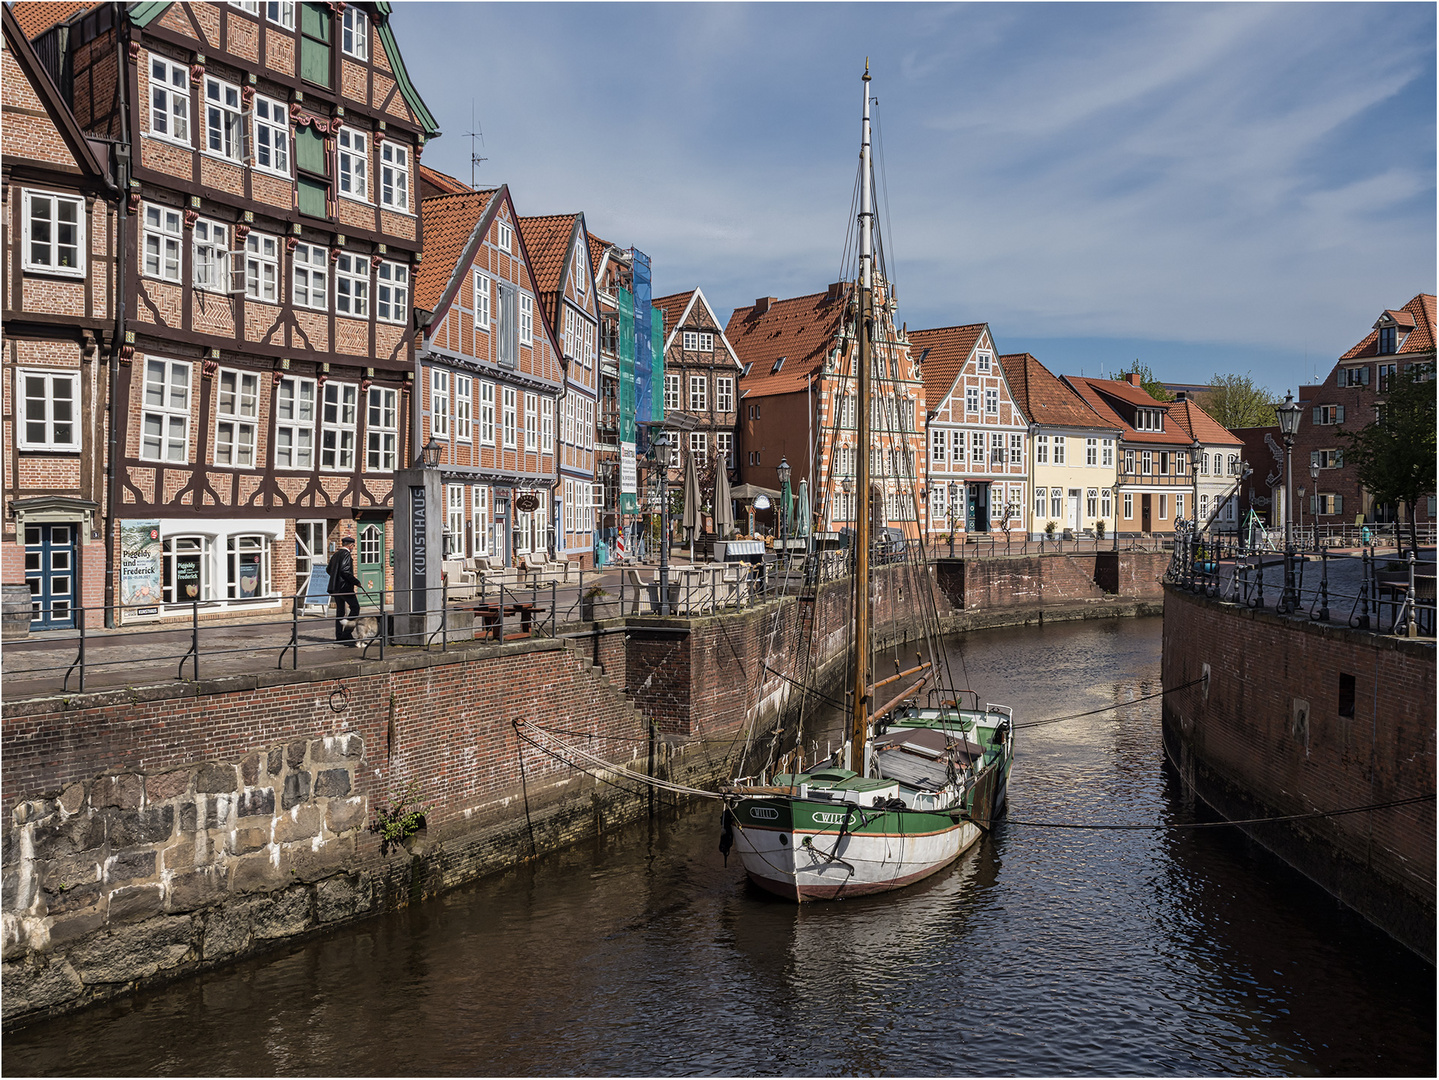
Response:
column 1236, row 402
column 1395, row 454
column 1152, row 386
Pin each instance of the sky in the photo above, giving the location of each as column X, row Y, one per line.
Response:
column 1204, row 188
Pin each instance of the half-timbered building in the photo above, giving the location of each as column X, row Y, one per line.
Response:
column 272, row 234
column 490, row 376
column 59, row 212
column 975, row 468
column 701, row 381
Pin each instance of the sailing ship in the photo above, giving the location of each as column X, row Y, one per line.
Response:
column 916, row 781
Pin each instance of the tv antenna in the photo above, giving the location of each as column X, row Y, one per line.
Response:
column 477, row 133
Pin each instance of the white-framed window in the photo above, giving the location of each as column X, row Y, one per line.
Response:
column 1016, row 449
column 1178, row 504
column 1059, row 442
column 247, row 562
column 454, row 521
column 547, row 424
column 295, row 423
column 1146, row 459
column 187, row 561
column 281, row 13
column 1163, row 507
column 392, row 292
column 211, row 255
column 1107, row 453
column 162, row 234
column 1056, row 503
column 480, row 519
column 54, row 230
column 1041, row 503
column 1149, row 419
column 509, row 420
column 937, row 446
column 169, row 100
column 1163, row 463
column 1091, row 502
column 589, row 425
column 262, row 268
column 250, row 7
column 272, row 135
column 482, row 301
column 394, row 176
column 971, row 399
column 1129, row 462
column 339, row 406
column 996, row 448
column 672, row 393
column 957, row 447
column 699, row 447
column 1091, row 453
column 724, row 393
column 352, row 285
column 165, row 414
column 724, row 445
column 991, row 402
column 1105, row 505
column 237, row 409
column 464, row 407
column 983, row 360
column 353, row 150
column 1041, row 449
column 532, row 423
column 527, row 319
column 504, row 237
column 699, row 393
column 51, row 400
column 487, row 413
column 224, row 127
column 355, row 39
column 382, row 432
column 1128, row 506
column 310, row 266
column 440, row 403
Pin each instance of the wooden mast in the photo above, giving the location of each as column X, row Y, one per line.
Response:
column 859, row 719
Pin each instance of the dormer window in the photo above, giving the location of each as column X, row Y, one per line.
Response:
column 777, row 365
column 745, row 373
column 1148, row 419
column 1387, row 343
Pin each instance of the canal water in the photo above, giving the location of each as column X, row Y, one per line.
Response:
column 1043, row 951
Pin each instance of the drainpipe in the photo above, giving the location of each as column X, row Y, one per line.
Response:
column 117, row 342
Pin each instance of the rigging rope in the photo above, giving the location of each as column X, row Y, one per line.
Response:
column 1107, row 708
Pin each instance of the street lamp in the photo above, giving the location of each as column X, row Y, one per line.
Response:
column 953, row 497
column 1116, row 515
column 782, row 470
column 661, row 443
column 1288, row 414
column 430, row 454
column 1314, row 487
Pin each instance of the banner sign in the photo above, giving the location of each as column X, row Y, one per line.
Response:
column 629, row 475
column 140, row 554
column 644, row 342
column 418, row 554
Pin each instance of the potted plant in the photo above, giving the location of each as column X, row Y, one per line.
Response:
column 1050, row 527
column 596, row 603
column 1099, row 529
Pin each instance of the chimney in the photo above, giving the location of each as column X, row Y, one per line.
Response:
column 1132, row 378
column 762, row 304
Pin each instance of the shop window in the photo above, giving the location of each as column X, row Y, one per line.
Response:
column 248, row 566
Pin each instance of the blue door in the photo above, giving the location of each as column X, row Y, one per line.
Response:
column 50, row 573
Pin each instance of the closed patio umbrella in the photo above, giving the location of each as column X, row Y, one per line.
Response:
column 802, row 524
column 692, row 500
column 724, row 506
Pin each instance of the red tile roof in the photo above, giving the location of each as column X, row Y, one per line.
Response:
column 598, row 248
column 1044, row 399
column 35, row 17
column 1101, row 395
column 1200, row 425
column 674, row 306
column 449, row 222
column 1419, row 340
column 433, row 182
column 800, row 330
column 941, row 354
column 547, row 242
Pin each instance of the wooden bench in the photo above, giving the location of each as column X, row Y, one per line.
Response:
column 488, row 620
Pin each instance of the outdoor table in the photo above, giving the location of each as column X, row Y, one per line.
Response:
column 487, row 616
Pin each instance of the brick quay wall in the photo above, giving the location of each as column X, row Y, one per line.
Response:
column 1299, row 718
column 153, row 833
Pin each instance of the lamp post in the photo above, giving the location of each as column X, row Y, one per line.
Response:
column 1288, row 414
column 847, row 486
column 1116, row 515
column 1314, row 487
column 953, row 496
column 430, row 454
column 782, row 470
column 661, row 444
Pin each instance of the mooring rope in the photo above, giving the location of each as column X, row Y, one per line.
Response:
column 1107, row 708
column 607, row 766
column 1225, row 824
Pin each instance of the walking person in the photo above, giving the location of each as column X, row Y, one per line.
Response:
column 342, row 589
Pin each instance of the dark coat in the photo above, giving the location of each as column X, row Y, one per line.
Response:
column 341, row 569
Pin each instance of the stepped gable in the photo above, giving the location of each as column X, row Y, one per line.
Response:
column 1200, row 425
column 942, row 354
column 1415, row 320
column 36, row 17
column 1044, row 399
column 449, row 223
column 800, row 330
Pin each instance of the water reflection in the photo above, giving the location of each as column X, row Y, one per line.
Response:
column 1041, row 951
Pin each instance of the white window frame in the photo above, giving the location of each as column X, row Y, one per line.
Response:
column 249, row 7
column 341, row 401
column 1016, row 449
column 699, row 447
column 352, row 164
column 1091, row 452
column 487, row 413
column 164, row 231
column 464, row 407
column 1106, row 456
column 309, row 271
column 355, row 33
column 295, row 403
column 547, row 425
column 53, row 246
column 938, row 446
column 971, row 399
column 454, row 521
column 724, row 393
column 352, row 285
column 1041, row 503
column 47, row 407
column 691, row 342
column 1105, row 504
column 210, row 250
column 281, row 13
column 672, row 393
column 262, row 253
column 176, row 376
column 484, row 295
column 527, row 319
column 236, row 424
column 171, row 80
column 699, row 393
column 532, row 424
column 504, row 238
column 439, row 403
column 271, row 127
column 724, row 444
column 394, row 175
column 1059, row 449
column 226, row 107
column 382, row 431
column 983, row 361
column 392, row 292
column 480, row 519
column 991, row 402
column 509, row 417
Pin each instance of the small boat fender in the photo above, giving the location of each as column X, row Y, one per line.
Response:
column 726, row 833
